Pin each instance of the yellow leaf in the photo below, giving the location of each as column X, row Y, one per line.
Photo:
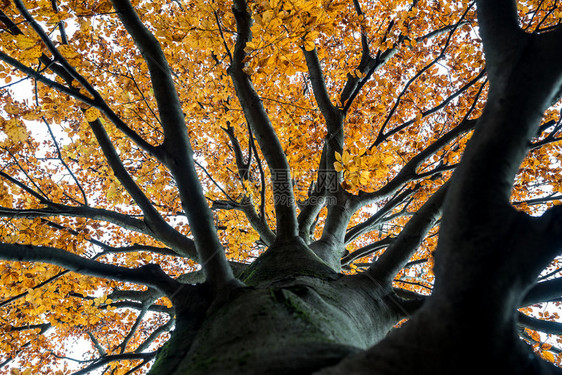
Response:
column 15, row 130
column 32, row 116
column 24, row 42
column 12, row 109
column 92, row 114
column 104, row 7
column 338, row 166
column 309, row 45
column 59, row 16
column 548, row 356
column 388, row 159
column 312, row 35
column 534, row 335
column 33, row 52
column 68, row 52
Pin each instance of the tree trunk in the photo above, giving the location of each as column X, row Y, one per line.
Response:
column 290, row 320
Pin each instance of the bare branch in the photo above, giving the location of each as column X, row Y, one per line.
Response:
column 365, row 226
column 97, row 100
column 59, row 155
column 543, row 292
column 97, row 344
column 259, row 121
column 382, row 137
column 553, row 328
column 115, row 358
column 332, row 114
column 408, row 171
column 135, row 327
column 409, row 239
column 154, row 335
column 441, row 55
column 367, row 250
column 55, row 85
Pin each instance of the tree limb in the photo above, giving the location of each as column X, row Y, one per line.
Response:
column 178, row 154
column 499, row 26
column 553, row 328
column 408, row 171
column 331, row 113
column 409, row 239
column 287, row 227
column 150, row 275
column 154, row 335
column 363, row 227
column 98, row 101
column 114, row 358
column 543, row 292
column 367, row 250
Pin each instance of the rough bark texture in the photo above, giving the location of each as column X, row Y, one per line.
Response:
column 292, row 318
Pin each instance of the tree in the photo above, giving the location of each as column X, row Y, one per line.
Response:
column 274, row 187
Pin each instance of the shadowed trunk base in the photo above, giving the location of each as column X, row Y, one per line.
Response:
column 295, row 324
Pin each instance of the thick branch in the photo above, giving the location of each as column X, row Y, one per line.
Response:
column 178, row 154
column 149, row 275
column 331, row 113
column 543, row 292
column 334, row 118
column 173, row 238
column 499, row 25
column 263, row 129
column 311, row 207
column 524, row 79
column 169, row 106
column 257, row 222
column 122, row 220
column 410, row 238
column 554, row 328
column 152, row 217
column 367, row 250
column 242, row 166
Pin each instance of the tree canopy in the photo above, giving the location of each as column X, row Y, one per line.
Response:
column 152, row 151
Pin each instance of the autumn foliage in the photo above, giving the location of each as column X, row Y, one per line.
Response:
column 373, row 99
